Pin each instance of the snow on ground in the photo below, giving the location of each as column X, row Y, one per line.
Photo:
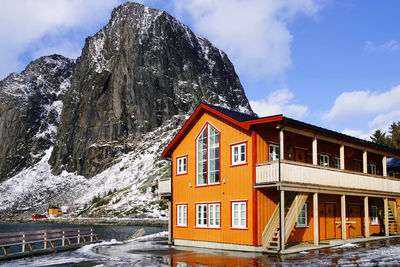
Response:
column 34, row 188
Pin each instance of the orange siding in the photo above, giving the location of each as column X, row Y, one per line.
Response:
column 238, row 185
column 267, row 201
column 265, row 134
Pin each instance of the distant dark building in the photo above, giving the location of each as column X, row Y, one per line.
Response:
column 393, row 167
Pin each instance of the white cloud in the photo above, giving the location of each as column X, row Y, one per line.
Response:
column 381, row 108
column 25, row 22
column 254, row 33
column 279, row 102
column 389, row 46
column 358, row 133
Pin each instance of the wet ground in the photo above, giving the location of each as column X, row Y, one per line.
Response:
column 153, row 251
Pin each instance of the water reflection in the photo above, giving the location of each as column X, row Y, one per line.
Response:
column 373, row 253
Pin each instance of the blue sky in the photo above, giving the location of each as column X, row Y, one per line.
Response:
column 335, row 64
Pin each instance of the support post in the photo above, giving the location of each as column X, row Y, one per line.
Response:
column 316, row 220
column 78, row 239
column 91, row 234
column 386, row 209
column 63, row 239
column 342, row 157
column 169, row 222
column 343, row 216
column 281, row 145
column 282, row 220
column 384, row 167
column 366, row 216
column 23, row 243
column 365, row 162
column 45, row 241
column 314, row 151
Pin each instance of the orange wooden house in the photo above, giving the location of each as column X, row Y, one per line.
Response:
column 236, row 180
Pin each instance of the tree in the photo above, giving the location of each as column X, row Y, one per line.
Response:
column 392, row 139
column 380, row 138
column 394, row 132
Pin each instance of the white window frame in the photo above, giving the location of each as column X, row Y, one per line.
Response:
column 201, row 210
column 374, row 217
column 322, row 159
column 208, row 168
column 372, row 168
column 241, row 222
column 214, row 215
column 239, row 159
column 336, row 161
column 181, row 165
column 274, row 155
column 181, row 212
column 298, row 224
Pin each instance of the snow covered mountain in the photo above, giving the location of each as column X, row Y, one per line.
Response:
column 122, row 101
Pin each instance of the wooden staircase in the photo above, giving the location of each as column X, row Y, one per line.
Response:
column 271, row 234
column 394, row 217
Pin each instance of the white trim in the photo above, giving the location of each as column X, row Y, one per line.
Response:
column 178, row 160
column 301, row 225
column 201, row 215
column 182, row 222
column 324, row 156
column 375, row 217
column 239, row 161
column 237, row 143
column 239, row 219
column 275, row 148
column 214, row 213
column 239, row 200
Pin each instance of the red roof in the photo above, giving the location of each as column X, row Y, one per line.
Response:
column 239, row 119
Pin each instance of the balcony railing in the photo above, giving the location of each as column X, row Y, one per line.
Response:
column 164, row 187
column 307, row 174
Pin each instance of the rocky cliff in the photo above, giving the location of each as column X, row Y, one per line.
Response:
column 30, row 106
column 139, row 71
column 133, row 86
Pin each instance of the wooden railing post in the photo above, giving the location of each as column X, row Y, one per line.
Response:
column 45, row 240
column 23, row 243
column 91, row 234
column 63, row 239
column 78, row 240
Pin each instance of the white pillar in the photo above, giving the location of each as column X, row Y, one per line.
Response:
column 314, row 151
column 343, row 216
column 365, row 162
column 384, row 167
column 342, row 157
column 281, row 145
column 316, row 220
column 386, row 209
column 170, row 222
column 366, row 216
column 282, row 218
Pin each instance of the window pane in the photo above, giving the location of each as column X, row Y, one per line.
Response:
column 235, row 214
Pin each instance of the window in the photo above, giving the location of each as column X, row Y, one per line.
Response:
column 214, row 218
column 337, row 162
column 324, row 160
column 207, row 145
column 201, row 215
column 302, row 219
column 374, row 215
column 238, row 153
column 182, row 215
column 372, row 168
column 239, row 216
column 181, row 165
column 208, row 215
column 273, row 152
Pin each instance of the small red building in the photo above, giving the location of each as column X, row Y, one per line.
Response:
column 238, row 179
